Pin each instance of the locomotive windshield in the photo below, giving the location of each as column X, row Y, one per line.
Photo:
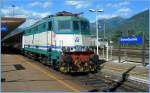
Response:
column 64, row 25
column 73, row 25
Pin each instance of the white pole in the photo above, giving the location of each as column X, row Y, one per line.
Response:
column 92, row 10
column 103, row 40
column 107, row 53
column 13, row 6
column 97, row 33
column 111, row 52
column 104, row 29
column 103, row 51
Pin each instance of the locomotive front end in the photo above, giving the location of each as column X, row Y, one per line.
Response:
column 73, row 35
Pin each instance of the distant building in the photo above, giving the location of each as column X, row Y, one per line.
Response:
column 101, row 42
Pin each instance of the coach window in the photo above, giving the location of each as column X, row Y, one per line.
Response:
column 64, row 25
column 36, row 29
column 29, row 30
column 50, row 25
column 75, row 25
column 32, row 30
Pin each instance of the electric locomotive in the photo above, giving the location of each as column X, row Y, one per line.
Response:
column 61, row 41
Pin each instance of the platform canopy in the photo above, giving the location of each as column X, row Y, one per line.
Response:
column 11, row 23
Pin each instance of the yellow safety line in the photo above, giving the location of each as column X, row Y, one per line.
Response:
column 53, row 77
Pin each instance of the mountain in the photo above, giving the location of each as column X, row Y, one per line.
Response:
column 109, row 25
column 118, row 26
column 135, row 25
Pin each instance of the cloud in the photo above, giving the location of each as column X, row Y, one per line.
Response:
column 122, row 8
column 34, row 4
column 107, row 16
column 112, row 5
column 117, row 5
column 19, row 12
column 78, row 4
column 146, row 8
column 120, row 12
column 124, row 3
column 41, row 4
column 124, row 11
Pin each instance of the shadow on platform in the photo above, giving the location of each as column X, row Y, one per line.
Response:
column 9, row 50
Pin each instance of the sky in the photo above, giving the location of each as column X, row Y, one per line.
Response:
column 34, row 10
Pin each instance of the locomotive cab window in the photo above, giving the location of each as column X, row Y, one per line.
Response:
column 50, row 25
column 64, row 25
column 75, row 25
column 84, row 25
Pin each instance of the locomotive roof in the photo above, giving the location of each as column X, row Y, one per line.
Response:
column 59, row 15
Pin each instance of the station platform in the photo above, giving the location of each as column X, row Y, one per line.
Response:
column 20, row 74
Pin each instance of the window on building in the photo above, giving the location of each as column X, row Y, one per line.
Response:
column 64, row 25
column 75, row 25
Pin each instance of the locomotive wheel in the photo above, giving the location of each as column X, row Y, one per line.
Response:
column 29, row 55
column 63, row 69
column 54, row 64
column 57, row 66
column 93, row 68
column 86, row 67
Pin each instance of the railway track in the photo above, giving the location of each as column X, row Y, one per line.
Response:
column 135, row 53
column 102, row 83
column 129, row 54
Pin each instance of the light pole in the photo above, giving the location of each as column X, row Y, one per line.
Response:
column 13, row 7
column 96, row 11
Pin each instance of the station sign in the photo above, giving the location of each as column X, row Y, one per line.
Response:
column 130, row 40
column 4, row 28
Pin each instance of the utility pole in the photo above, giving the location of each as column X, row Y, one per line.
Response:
column 97, row 33
column 96, row 11
column 13, row 7
column 104, row 40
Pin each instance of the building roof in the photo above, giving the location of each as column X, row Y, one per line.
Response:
column 12, row 23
